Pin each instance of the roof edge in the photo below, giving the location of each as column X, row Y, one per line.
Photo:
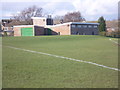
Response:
column 23, row 26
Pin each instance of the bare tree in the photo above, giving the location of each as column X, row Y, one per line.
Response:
column 58, row 19
column 25, row 15
column 69, row 17
column 73, row 17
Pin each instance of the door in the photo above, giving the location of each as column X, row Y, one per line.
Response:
column 49, row 31
column 58, row 33
column 27, row 31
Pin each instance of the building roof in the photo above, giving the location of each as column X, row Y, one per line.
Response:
column 27, row 26
column 80, row 23
column 58, row 24
column 85, row 23
column 24, row 26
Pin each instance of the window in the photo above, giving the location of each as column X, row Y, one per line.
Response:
column 95, row 26
column 73, row 26
column 79, row 26
column 90, row 26
column 84, row 26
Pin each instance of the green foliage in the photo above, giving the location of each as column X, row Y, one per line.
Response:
column 102, row 33
column 102, row 24
column 5, row 33
column 49, row 31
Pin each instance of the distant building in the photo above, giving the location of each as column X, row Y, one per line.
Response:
column 74, row 28
column 6, row 21
column 28, row 30
column 112, row 26
column 109, row 29
column 44, row 26
column 5, row 29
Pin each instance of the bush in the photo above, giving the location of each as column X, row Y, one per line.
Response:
column 5, row 33
column 102, row 33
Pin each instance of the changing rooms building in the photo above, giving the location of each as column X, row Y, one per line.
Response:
column 44, row 26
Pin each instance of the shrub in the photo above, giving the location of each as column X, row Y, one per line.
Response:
column 5, row 33
column 102, row 33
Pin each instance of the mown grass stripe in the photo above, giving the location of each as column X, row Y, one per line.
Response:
column 65, row 58
column 114, row 41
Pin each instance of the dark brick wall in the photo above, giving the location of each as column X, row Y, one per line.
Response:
column 84, row 30
column 38, row 30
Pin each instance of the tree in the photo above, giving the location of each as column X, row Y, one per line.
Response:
column 25, row 15
column 102, row 24
column 58, row 19
column 73, row 17
column 69, row 17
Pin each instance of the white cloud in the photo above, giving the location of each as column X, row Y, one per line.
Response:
column 61, row 12
column 58, row 8
column 95, row 8
column 90, row 9
column 7, row 15
column 35, row 0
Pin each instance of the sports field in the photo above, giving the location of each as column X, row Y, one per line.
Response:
column 79, row 61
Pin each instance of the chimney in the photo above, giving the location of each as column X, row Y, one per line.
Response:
column 39, row 21
column 49, row 20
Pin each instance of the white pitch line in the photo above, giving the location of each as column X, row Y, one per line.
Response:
column 65, row 58
column 113, row 41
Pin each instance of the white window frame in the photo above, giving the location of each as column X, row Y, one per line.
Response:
column 95, row 26
column 79, row 26
column 90, row 26
column 85, row 26
column 73, row 26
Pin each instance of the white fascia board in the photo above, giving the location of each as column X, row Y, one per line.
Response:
column 72, row 23
column 58, row 24
column 85, row 23
column 24, row 26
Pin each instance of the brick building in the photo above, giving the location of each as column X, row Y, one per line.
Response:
column 28, row 30
column 74, row 28
column 44, row 26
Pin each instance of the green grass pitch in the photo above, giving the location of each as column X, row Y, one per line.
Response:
column 23, row 69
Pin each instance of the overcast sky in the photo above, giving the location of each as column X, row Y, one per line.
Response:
column 90, row 9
